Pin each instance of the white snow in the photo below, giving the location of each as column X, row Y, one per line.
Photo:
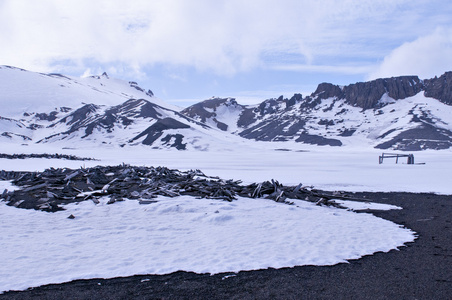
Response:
column 7, row 185
column 386, row 99
column 354, row 205
column 182, row 233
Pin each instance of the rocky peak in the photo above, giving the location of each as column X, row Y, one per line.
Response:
column 327, row 90
column 440, row 88
column 294, row 99
column 136, row 108
column 215, row 102
column 79, row 115
column 271, row 106
column 367, row 94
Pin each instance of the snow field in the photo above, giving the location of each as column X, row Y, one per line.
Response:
column 203, row 235
column 182, row 233
column 327, row 168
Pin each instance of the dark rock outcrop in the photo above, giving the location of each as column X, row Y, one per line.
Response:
column 156, row 130
column 293, row 100
column 440, row 88
column 422, row 137
column 79, row 116
column 52, row 116
column 44, row 155
column 137, row 108
column 137, row 87
column 274, row 130
column 174, row 141
column 270, row 106
column 318, row 140
column 327, row 90
column 11, row 135
column 367, row 94
column 247, row 117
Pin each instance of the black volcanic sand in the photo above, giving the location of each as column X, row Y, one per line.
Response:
column 421, row 270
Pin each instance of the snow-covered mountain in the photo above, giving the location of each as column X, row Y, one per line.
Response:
column 31, row 92
column 403, row 113
column 93, row 111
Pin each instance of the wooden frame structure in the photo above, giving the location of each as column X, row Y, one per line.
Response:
column 410, row 157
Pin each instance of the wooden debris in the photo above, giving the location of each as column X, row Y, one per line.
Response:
column 52, row 188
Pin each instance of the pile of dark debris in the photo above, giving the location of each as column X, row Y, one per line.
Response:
column 43, row 155
column 52, row 188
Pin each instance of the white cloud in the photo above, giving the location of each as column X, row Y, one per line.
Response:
column 427, row 56
column 224, row 36
column 341, row 69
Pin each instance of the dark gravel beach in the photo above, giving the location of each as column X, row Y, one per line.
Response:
column 421, row 270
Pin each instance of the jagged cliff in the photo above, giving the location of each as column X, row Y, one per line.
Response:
column 368, row 94
column 440, row 88
column 404, row 113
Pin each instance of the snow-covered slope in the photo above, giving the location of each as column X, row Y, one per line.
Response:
column 400, row 113
column 31, row 92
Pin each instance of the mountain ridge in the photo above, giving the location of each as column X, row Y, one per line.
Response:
column 401, row 113
column 310, row 119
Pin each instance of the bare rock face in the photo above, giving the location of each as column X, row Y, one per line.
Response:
column 327, row 90
column 79, row 115
column 157, row 130
column 422, row 137
column 52, row 116
column 403, row 87
column 440, row 88
column 367, row 94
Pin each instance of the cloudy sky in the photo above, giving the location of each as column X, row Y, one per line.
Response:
column 190, row 50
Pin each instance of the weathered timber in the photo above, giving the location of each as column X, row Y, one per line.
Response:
column 52, row 188
column 410, row 157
